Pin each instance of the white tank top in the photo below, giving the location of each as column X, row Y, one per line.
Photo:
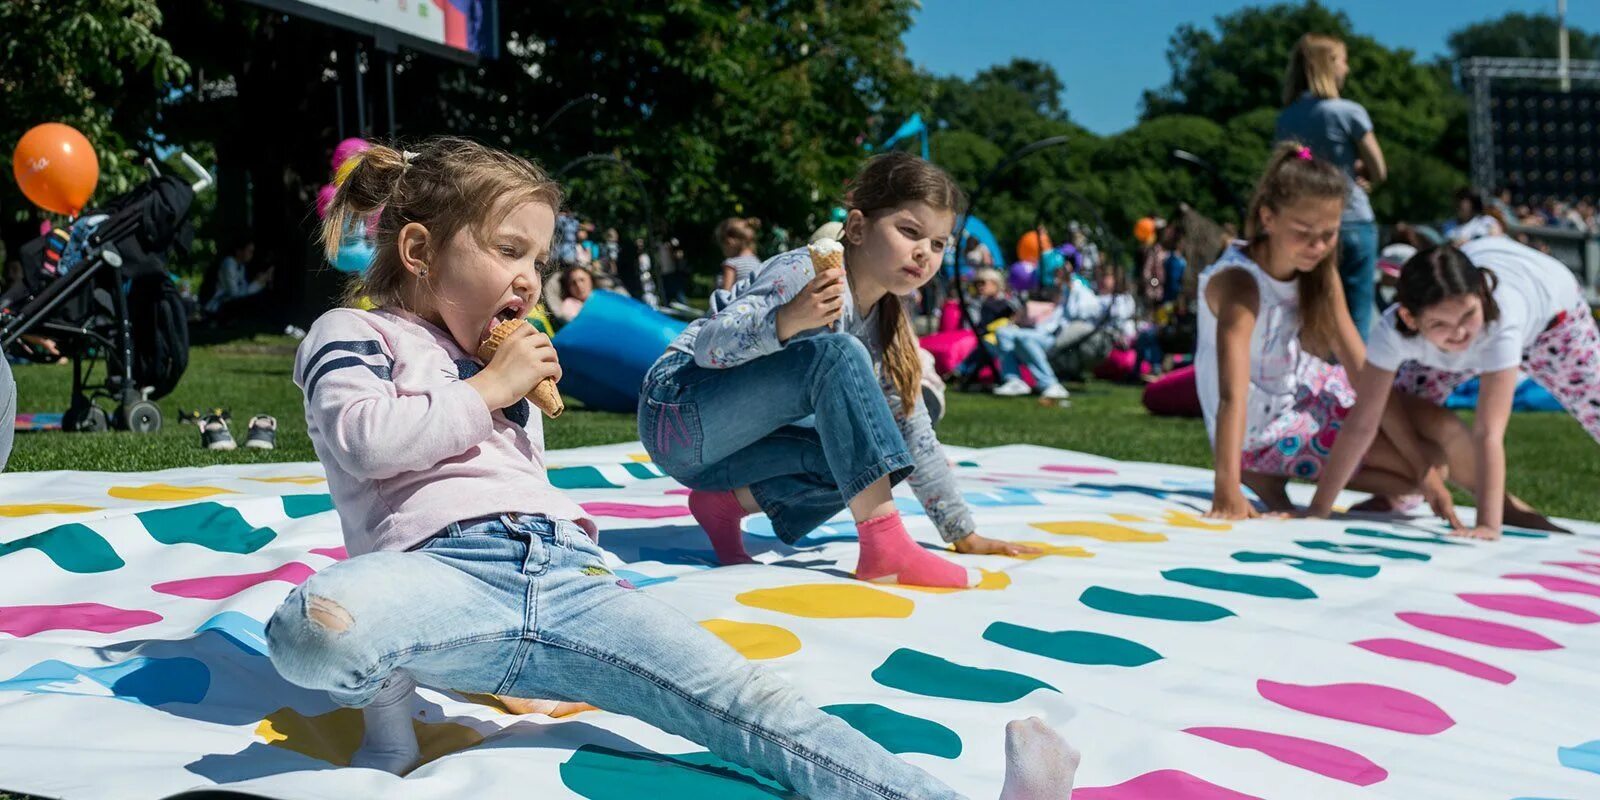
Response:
column 1274, row 351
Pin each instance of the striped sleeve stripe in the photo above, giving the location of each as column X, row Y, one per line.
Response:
column 362, row 347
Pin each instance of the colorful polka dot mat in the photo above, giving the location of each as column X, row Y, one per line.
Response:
column 1187, row 659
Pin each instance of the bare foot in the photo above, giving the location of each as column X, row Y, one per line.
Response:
column 1040, row 765
column 549, row 708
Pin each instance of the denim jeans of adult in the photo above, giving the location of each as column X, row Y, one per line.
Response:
column 523, row 606
column 721, row 429
column 1028, row 347
column 1358, row 270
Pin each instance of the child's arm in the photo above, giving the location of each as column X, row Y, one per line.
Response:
column 1234, row 296
column 747, row 328
column 934, row 483
column 345, row 368
column 1372, row 387
column 728, row 275
column 1495, row 392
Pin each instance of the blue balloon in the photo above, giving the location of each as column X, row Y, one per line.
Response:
column 355, row 255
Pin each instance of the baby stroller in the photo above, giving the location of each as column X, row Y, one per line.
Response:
column 103, row 292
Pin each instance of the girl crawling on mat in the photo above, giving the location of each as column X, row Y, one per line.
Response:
column 822, row 336
column 1488, row 308
column 1273, row 407
column 469, row 570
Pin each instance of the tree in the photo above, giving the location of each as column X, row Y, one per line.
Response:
column 97, row 65
column 1520, row 35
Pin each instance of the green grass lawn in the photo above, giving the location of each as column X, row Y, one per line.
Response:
column 1553, row 463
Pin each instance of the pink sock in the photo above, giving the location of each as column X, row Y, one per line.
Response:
column 720, row 514
column 888, row 555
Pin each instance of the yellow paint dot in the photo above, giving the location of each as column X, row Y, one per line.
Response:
column 1104, row 531
column 1128, row 518
column 753, row 640
column 1066, row 550
column 165, row 492
column 29, row 509
column 333, row 737
column 640, row 458
column 1180, row 519
column 991, row 582
column 829, row 601
column 303, row 480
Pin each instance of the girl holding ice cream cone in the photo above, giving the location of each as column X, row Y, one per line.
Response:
column 821, row 335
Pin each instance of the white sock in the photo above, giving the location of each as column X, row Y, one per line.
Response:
column 390, row 743
column 1040, row 765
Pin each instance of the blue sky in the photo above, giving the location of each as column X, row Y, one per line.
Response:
column 1108, row 51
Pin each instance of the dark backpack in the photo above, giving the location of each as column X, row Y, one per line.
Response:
column 160, row 323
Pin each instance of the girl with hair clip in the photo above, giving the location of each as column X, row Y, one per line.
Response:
column 1487, row 308
column 737, row 238
column 835, row 347
column 1270, row 303
column 469, row 571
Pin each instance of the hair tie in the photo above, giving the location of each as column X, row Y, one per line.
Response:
column 1304, row 154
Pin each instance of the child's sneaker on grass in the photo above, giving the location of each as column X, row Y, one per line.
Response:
column 1013, row 387
column 214, row 434
column 263, row 433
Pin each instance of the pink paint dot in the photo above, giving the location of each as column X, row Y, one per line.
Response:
column 22, row 621
column 635, row 511
column 678, row 492
column 335, row 553
column 1595, row 553
column 1530, row 606
column 1411, row 651
column 1166, row 784
column 1493, row 634
column 217, row 587
column 1555, row 583
column 1319, row 757
column 1074, row 470
column 1362, row 703
column 1581, row 566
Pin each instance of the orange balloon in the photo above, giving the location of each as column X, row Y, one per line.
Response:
column 1145, row 230
column 56, row 168
column 1030, row 246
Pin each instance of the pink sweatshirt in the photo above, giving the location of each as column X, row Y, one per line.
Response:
column 408, row 446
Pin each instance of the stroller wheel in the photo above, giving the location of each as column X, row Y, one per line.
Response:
column 141, row 417
column 85, row 419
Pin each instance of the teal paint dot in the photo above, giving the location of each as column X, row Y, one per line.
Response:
column 601, row 773
column 210, row 525
column 1585, row 756
column 1315, row 566
column 1520, row 533
column 1074, row 647
column 968, row 464
column 1258, row 585
column 643, row 472
column 73, row 547
column 1151, row 606
column 897, row 732
column 1365, row 550
column 919, row 673
column 580, row 478
column 1433, row 540
column 296, row 506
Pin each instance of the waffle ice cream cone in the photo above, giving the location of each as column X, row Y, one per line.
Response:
column 544, row 395
column 826, row 254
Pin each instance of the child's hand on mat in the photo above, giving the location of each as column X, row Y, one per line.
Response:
column 974, row 545
column 1439, row 499
column 1478, row 532
column 818, row 305
column 1231, row 505
column 524, row 359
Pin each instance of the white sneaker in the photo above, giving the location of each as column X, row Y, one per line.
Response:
column 1013, row 387
column 1055, row 392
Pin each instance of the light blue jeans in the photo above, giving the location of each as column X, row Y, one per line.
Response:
column 1028, row 346
column 1358, row 271
column 524, row 606
column 720, row 429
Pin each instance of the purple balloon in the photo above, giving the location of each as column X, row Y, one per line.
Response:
column 347, row 148
column 1023, row 275
column 325, row 199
